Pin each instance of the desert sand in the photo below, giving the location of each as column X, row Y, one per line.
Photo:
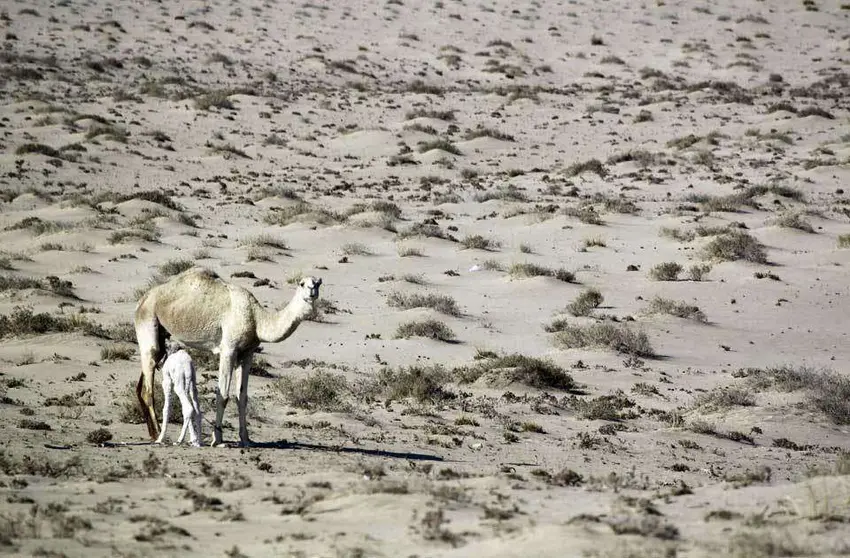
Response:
column 585, row 275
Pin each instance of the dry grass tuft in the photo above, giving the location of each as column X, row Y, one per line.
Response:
column 431, row 329
column 534, row 270
column 616, row 337
column 530, row 371
column 319, row 391
column 440, row 303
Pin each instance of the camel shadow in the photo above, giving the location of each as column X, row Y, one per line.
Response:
column 283, row 444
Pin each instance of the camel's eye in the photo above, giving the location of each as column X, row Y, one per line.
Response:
column 302, row 283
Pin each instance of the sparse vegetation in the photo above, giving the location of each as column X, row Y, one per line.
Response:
column 431, row 329
column 440, row 303
column 530, row 371
column 479, row 242
column 585, row 303
column 722, row 399
column 735, row 245
column 131, row 413
column 117, row 352
column 667, row 271
column 441, row 144
column 794, row 221
column 175, row 266
column 619, row 338
column 420, row 383
column 827, row 391
column 591, row 165
column 534, row 270
column 319, row 391
column 356, row 249
column 660, row 305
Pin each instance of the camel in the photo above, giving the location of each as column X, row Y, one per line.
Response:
column 178, row 374
column 198, row 309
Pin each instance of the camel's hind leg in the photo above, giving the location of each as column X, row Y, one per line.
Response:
column 150, row 351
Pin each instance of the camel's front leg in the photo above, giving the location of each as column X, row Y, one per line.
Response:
column 244, row 372
column 222, row 393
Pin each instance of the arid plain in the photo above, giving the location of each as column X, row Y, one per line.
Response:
column 585, row 275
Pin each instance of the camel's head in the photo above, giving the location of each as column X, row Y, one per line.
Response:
column 308, row 288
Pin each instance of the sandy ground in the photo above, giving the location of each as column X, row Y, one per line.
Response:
column 405, row 147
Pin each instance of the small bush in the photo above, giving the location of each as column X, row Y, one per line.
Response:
column 844, row 241
column 611, row 336
column 828, row 391
column 530, row 371
column 534, row 270
column 409, row 251
column 219, row 99
column 22, row 321
column 356, row 249
column 591, row 165
column 175, row 266
column 484, row 132
column 30, row 424
column 605, row 407
column 131, row 413
column 586, row 214
column 121, row 236
column 697, row 272
column 660, row 305
column 117, row 352
column 39, row 226
column 436, row 114
column 301, row 211
column 319, row 391
column 478, row 242
column 585, row 303
column 722, row 399
column 441, row 303
column 99, row 436
column 667, row 271
column 431, row 329
column 441, row 144
column 794, row 221
column 735, row 245
column 423, row 384
column 265, row 241
column 38, row 148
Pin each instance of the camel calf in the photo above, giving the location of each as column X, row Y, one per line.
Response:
column 178, row 374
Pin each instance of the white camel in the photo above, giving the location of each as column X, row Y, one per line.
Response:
column 178, row 374
column 200, row 310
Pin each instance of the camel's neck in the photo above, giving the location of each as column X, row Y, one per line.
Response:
column 273, row 327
